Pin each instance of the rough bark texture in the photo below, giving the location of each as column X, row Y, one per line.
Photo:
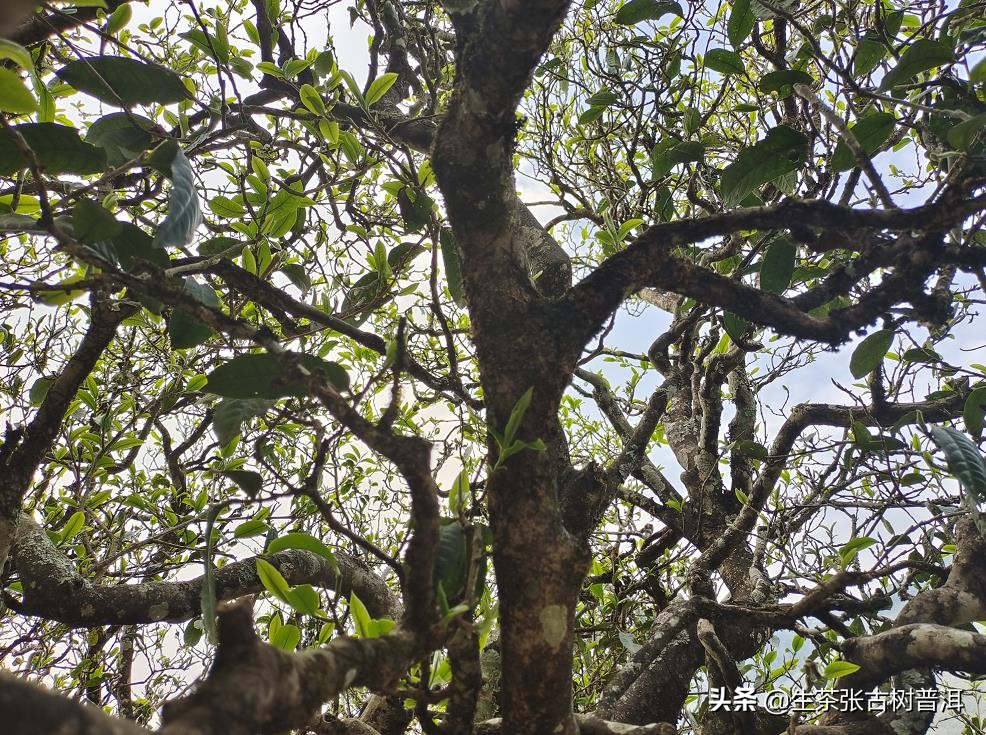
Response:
column 538, row 564
column 54, row 589
column 253, row 686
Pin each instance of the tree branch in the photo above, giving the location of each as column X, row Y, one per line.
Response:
column 54, row 590
column 29, row 708
column 651, row 261
column 254, row 686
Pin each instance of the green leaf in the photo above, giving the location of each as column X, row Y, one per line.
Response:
column 591, row 115
column 365, row 293
column 16, row 53
column 272, row 580
column 752, row 449
column 872, row 132
column 294, row 67
column 837, row 669
column 124, row 136
column 451, row 560
column 325, row 632
column 964, row 459
column 627, row 227
column 262, row 376
column 870, row 51
column 921, row 354
column 603, row 98
column 636, row 11
column 893, row 20
column 184, row 214
column 351, row 147
column 379, row 87
column 132, row 245
column 304, row 599
column 226, row 208
column 851, row 550
column 57, row 148
column 253, row 527
column 301, row 540
column 687, row 152
column 39, row 390
column 260, row 168
column 61, row 295
column 124, row 82
column 311, row 99
column 777, row 265
column 323, row 63
column 119, row 19
column 973, row 412
column 884, row 443
column 415, row 207
column 450, row 258
column 967, row 132
column 361, row 616
column 783, row 150
column 459, row 494
column 861, row 435
column 725, row 61
column 351, row 85
column 735, row 326
column 14, row 96
column 282, row 212
column 92, row 223
column 270, row 68
column 782, row 82
column 46, row 102
column 298, row 275
column 691, row 120
column 250, row 482
column 330, row 131
column 660, row 162
column 380, row 626
column 73, row 526
column 217, row 245
column 193, row 632
column 214, row 46
column 184, row 330
column 869, row 353
column 207, row 595
column 287, row 637
column 920, row 56
column 378, row 261
column 741, row 22
column 516, row 447
column 232, row 413
column 402, row 254
column 516, row 416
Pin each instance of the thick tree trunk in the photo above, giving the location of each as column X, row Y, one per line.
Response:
column 539, row 570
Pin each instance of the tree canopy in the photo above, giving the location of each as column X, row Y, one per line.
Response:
column 491, row 366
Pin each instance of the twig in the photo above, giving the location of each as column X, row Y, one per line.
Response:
column 859, row 153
